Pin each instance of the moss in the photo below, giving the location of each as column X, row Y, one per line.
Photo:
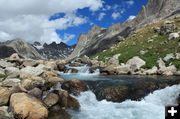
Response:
column 134, row 43
column 3, row 76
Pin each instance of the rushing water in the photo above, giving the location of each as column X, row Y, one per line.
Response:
column 151, row 107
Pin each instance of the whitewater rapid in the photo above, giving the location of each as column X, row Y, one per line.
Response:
column 151, row 107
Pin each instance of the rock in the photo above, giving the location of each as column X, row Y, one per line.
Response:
column 67, row 101
column 51, row 99
column 167, row 28
column 49, row 74
column 51, row 65
column 114, row 59
column 11, row 82
column 15, row 56
column 115, row 94
column 142, row 52
column 74, row 86
column 109, row 70
column 4, row 114
column 56, row 112
column 152, row 71
column 4, row 64
column 25, row 106
column 55, row 80
column 85, row 60
column 75, row 64
column 5, row 94
column 12, row 72
column 123, row 69
column 31, row 63
column 33, row 82
column 173, row 36
column 150, row 41
column 168, row 57
column 177, row 73
column 72, row 70
column 168, row 22
column 136, row 61
column 168, row 71
column 161, row 64
column 61, row 67
column 178, row 56
column 32, row 71
column 2, row 71
column 36, row 92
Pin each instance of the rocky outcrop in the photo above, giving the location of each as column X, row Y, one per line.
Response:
column 99, row 39
column 25, row 106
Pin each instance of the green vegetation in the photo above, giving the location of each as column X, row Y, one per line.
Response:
column 136, row 42
column 3, row 76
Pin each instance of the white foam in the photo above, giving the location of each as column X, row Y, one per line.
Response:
column 151, row 107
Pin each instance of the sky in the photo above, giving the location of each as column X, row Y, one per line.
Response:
column 61, row 20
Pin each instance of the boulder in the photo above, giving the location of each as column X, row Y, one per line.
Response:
column 109, row 70
column 123, row 69
column 178, row 56
column 55, row 80
column 152, row 71
column 114, row 59
column 85, row 60
column 15, row 56
column 74, row 86
column 170, row 70
column 168, row 57
column 11, row 82
column 31, row 63
column 33, row 82
column 51, row 99
column 72, row 70
column 4, row 64
column 56, row 112
column 49, row 74
column 115, row 94
column 36, row 92
column 136, row 61
column 32, row 71
column 161, row 64
column 4, row 113
column 25, row 106
column 12, row 72
column 51, row 65
column 5, row 94
column 67, row 101
column 61, row 67
column 2, row 71
column 173, row 36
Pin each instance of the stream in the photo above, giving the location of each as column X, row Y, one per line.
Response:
column 93, row 107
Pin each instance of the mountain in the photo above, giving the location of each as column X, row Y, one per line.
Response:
column 54, row 50
column 35, row 50
column 18, row 46
column 99, row 39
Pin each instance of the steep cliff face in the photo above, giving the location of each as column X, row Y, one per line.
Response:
column 99, row 39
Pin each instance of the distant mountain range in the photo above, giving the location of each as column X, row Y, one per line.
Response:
column 35, row 50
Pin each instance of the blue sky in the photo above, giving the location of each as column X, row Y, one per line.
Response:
column 120, row 9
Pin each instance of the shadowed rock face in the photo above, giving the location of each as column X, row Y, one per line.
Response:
column 6, row 51
column 99, row 39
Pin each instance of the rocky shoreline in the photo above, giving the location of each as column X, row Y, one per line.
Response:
column 32, row 89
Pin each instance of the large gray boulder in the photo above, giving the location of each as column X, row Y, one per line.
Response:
column 4, row 64
column 114, row 59
column 12, row 72
column 136, row 61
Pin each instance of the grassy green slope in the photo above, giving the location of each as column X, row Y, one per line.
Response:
column 138, row 41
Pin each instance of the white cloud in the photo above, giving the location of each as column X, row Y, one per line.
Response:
column 101, row 16
column 130, row 2
column 28, row 19
column 131, row 17
column 68, row 37
column 116, row 15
